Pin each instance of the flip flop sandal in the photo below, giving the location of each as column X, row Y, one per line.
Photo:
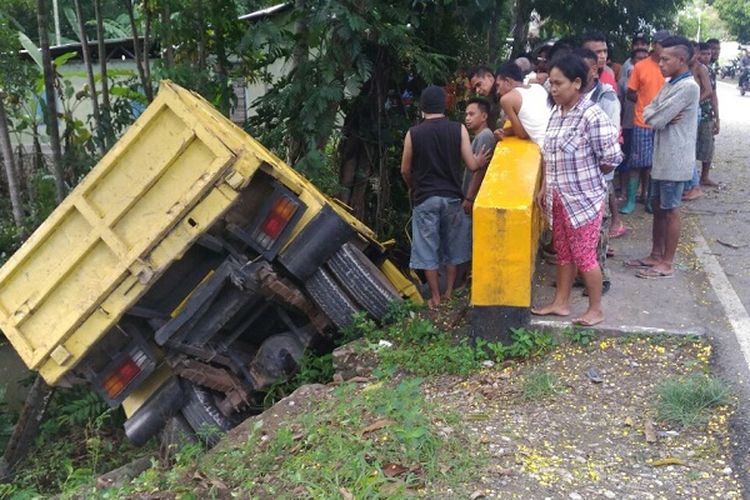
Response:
column 653, row 274
column 638, row 264
column 620, row 231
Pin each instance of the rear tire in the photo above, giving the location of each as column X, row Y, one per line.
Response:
column 332, row 300
column 363, row 280
column 204, row 416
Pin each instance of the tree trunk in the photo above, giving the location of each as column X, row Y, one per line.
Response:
column 521, row 14
column 146, row 49
column 137, row 51
column 27, row 427
column 166, row 36
column 10, row 170
column 295, row 148
column 90, row 73
column 106, row 110
column 222, row 63
column 53, row 127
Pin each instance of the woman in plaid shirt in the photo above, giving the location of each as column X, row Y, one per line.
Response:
column 580, row 146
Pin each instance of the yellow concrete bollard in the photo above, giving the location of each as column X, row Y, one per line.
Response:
column 506, row 229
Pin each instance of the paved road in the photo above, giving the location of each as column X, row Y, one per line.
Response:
column 722, row 246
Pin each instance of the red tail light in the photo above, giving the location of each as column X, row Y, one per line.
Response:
column 126, row 371
column 282, row 211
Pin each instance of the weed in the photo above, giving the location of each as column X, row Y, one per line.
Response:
column 684, row 401
column 539, row 384
column 527, row 343
column 331, row 448
column 578, row 336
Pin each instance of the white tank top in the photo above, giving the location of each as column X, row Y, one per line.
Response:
column 535, row 112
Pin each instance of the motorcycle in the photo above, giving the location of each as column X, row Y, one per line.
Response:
column 729, row 69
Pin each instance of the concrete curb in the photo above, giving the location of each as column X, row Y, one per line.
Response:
column 555, row 326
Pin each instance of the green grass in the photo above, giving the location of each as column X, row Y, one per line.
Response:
column 540, row 384
column 329, row 450
column 685, row 401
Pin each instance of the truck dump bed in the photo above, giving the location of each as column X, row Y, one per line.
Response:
column 173, row 174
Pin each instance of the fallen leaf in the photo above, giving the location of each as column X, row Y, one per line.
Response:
column 478, row 417
column 650, row 432
column 393, row 470
column 667, row 461
column 476, row 494
column 505, row 471
column 628, row 422
column 219, row 485
column 346, row 494
column 377, row 425
column 730, row 245
column 298, row 436
column 360, row 380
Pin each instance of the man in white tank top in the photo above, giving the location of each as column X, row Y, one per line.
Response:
column 525, row 106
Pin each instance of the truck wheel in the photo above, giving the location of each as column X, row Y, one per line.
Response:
column 204, row 416
column 176, row 434
column 363, row 280
column 332, row 300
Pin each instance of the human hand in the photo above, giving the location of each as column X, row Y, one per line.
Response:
column 716, row 126
column 467, row 206
column 483, row 157
column 676, row 118
column 539, row 198
column 499, row 134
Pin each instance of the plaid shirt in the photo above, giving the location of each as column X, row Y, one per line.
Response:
column 574, row 148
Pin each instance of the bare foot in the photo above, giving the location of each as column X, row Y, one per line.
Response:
column 551, row 310
column 693, row 194
column 590, row 318
column 709, row 183
column 434, row 302
column 644, row 262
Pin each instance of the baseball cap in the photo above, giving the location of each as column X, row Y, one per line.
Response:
column 661, row 35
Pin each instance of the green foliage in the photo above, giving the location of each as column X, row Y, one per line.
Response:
column 685, row 401
column 700, row 18
column 7, row 420
column 579, row 336
column 330, row 448
column 313, row 369
column 736, row 14
column 539, row 384
column 526, row 343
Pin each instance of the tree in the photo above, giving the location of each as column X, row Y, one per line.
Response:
column 736, row 14
column 51, row 101
column 11, row 82
column 141, row 58
column 106, row 105
column 90, row 74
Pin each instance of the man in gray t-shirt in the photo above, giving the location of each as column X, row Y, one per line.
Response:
column 477, row 113
column 673, row 114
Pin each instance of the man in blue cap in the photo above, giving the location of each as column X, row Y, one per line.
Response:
column 431, row 167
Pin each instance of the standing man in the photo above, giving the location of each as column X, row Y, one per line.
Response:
column 643, row 85
column 525, row 106
column 604, row 96
column 672, row 114
column 704, row 147
column 596, row 42
column 431, row 168
column 475, row 119
column 714, row 46
column 482, row 81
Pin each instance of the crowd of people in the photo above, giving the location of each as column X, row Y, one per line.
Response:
column 610, row 135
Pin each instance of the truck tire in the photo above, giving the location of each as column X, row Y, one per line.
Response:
column 176, row 434
column 204, row 417
column 330, row 297
column 363, row 280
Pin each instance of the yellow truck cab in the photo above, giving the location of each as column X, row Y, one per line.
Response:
column 188, row 272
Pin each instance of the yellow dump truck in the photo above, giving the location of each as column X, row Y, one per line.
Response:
column 188, row 272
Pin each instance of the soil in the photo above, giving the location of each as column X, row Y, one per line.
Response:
column 588, row 440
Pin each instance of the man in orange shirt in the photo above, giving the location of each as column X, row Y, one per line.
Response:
column 645, row 82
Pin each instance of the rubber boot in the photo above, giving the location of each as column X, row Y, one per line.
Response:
column 632, row 190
